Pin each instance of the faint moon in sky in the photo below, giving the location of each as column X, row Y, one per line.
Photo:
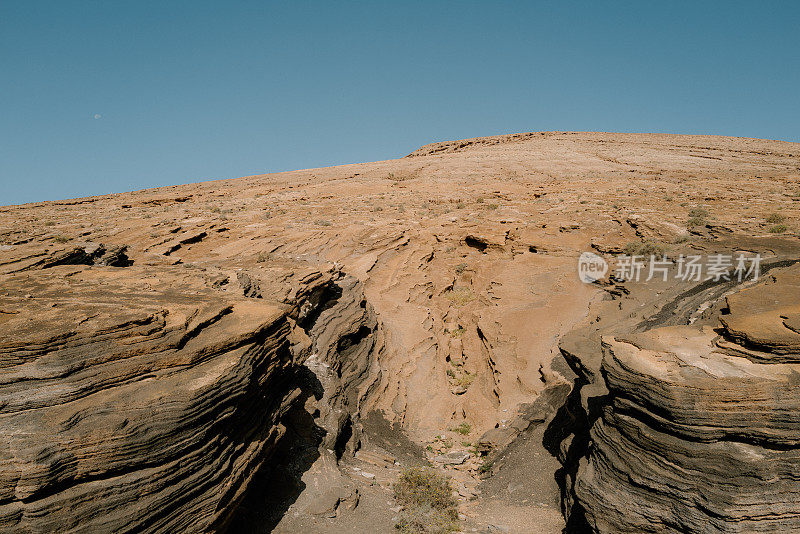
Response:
column 97, row 116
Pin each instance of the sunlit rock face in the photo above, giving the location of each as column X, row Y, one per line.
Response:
column 701, row 430
column 124, row 408
column 159, row 347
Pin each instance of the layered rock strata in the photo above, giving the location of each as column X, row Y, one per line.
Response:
column 699, row 430
column 129, row 410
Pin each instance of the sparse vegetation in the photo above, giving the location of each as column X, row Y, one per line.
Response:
column 61, row 239
column 263, row 257
column 775, row 218
column 460, row 296
column 460, row 268
column 778, row 229
column 458, row 332
column 466, row 379
column 698, row 211
column 479, row 200
column 429, row 505
column 492, row 206
column 697, row 216
column 463, row 429
column 323, row 222
column 446, row 442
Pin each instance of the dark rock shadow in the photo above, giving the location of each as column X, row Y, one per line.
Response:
column 572, row 420
column 392, row 438
column 277, row 485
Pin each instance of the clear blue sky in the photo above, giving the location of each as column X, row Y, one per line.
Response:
column 110, row 96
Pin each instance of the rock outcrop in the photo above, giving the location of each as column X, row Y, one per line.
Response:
column 698, row 432
column 174, row 358
column 126, row 410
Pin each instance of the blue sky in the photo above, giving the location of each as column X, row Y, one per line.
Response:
column 110, row 96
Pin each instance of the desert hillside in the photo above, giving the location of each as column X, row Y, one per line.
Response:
column 168, row 354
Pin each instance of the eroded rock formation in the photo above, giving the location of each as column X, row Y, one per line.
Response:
column 168, row 354
column 122, row 411
column 699, row 428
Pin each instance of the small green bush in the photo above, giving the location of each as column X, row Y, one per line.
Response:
column 463, row 429
column 460, row 296
column 699, row 212
column 426, row 520
column 422, row 486
column 697, row 216
column 775, row 218
column 429, row 505
column 466, row 379
column 778, row 229
column 458, row 332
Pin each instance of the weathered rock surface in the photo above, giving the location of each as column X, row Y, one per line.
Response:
column 698, row 433
column 122, row 410
column 167, row 355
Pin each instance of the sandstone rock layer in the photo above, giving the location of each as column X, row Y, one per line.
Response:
column 123, row 411
column 699, row 433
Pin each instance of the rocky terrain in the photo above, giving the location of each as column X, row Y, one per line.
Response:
column 692, row 419
column 269, row 353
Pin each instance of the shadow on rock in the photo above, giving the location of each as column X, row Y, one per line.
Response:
column 278, row 484
column 567, row 438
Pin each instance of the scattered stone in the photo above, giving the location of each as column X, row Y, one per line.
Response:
column 452, row 458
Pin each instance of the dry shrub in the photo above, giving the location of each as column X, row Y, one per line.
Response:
column 429, row 505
